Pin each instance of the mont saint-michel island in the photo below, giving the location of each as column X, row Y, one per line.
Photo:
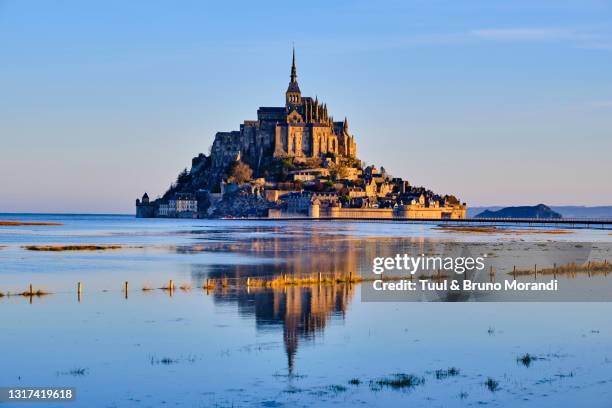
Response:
column 293, row 161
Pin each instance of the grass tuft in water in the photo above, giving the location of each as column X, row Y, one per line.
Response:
column 77, row 372
column 442, row 374
column 37, row 293
column 163, row 360
column 526, row 359
column 397, row 382
column 337, row 388
column 492, row 384
column 354, row 381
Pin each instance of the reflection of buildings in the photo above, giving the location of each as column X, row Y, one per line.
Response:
column 303, row 311
column 298, row 250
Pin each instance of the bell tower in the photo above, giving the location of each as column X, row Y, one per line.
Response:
column 293, row 96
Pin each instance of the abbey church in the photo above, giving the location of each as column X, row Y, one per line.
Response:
column 301, row 129
column 294, row 160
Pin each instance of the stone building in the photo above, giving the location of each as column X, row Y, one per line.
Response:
column 302, row 129
column 301, row 202
column 145, row 208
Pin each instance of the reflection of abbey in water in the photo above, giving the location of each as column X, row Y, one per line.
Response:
column 303, row 312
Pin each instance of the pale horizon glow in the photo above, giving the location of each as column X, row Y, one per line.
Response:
column 498, row 103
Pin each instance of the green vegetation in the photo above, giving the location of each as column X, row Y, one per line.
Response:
column 183, row 178
column 239, row 173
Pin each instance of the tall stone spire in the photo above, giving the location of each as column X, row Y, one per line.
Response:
column 293, row 96
column 293, row 70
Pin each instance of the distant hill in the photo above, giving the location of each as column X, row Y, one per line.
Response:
column 566, row 211
column 536, row 211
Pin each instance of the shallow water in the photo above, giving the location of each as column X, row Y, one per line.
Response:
column 290, row 346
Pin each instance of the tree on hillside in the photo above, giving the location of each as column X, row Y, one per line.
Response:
column 183, row 178
column 239, row 173
column 451, row 199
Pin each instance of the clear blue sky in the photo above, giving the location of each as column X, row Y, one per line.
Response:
column 498, row 102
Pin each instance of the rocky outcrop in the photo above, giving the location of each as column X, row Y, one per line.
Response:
column 241, row 203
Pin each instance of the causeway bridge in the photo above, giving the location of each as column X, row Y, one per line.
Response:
column 590, row 223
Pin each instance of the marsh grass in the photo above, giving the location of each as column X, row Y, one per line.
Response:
column 28, row 223
column 337, row 388
column 491, row 384
column 435, row 276
column 526, row 359
column 313, row 279
column 292, row 280
column 450, row 372
column 592, row 267
column 354, row 381
column 78, row 372
column 38, row 293
column 75, row 372
column 397, row 382
column 79, row 247
column 163, row 361
column 496, row 230
column 27, row 293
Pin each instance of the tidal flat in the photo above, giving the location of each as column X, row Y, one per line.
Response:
column 291, row 345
